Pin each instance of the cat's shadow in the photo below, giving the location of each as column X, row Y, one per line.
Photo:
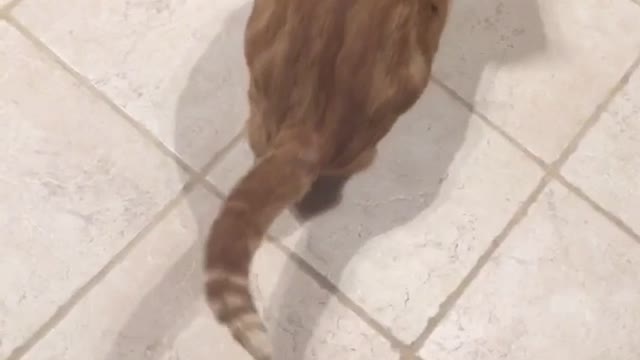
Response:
column 404, row 181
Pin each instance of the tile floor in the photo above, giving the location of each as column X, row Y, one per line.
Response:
column 498, row 222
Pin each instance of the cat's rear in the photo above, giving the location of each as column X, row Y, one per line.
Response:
column 328, row 79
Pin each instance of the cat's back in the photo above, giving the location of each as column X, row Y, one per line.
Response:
column 337, row 64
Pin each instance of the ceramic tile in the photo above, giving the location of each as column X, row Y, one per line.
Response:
column 562, row 286
column 408, row 229
column 151, row 306
column 606, row 165
column 306, row 321
column 538, row 68
column 77, row 183
column 177, row 67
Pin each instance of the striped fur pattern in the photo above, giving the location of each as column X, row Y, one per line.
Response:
column 328, row 79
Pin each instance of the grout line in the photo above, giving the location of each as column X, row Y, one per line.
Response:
column 453, row 298
column 88, row 85
column 221, row 154
column 573, row 146
column 61, row 313
column 200, row 177
column 533, row 157
column 212, row 188
column 599, row 208
column 141, row 129
column 6, row 9
column 344, row 299
column 410, row 351
column 333, row 289
column 195, row 178
column 552, row 173
column 595, row 116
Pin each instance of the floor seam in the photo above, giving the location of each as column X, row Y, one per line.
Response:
column 215, row 159
column 199, row 177
column 195, row 177
column 451, row 300
column 485, row 119
column 67, row 307
column 326, row 284
column 94, row 91
column 598, row 208
column 554, row 168
column 221, row 154
column 78, row 295
column 600, row 109
column 5, row 10
column 552, row 173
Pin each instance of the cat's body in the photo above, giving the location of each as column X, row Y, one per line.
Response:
column 328, row 79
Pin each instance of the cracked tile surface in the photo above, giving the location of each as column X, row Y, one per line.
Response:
column 161, row 314
column 101, row 246
column 561, row 286
column 607, row 165
column 175, row 66
column 74, row 188
column 538, row 68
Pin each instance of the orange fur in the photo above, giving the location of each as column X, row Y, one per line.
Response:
column 328, row 79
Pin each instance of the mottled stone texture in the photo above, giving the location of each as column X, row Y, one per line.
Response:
column 109, row 107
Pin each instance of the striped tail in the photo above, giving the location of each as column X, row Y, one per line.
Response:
column 275, row 182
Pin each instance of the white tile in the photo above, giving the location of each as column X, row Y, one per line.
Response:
column 151, row 306
column 562, row 286
column 607, row 163
column 306, row 322
column 176, row 66
column 409, row 229
column 538, row 68
column 76, row 184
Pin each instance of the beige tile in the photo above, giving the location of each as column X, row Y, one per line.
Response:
column 607, row 163
column 306, row 321
column 76, row 184
column 410, row 228
column 148, row 300
column 538, row 68
column 562, row 286
column 175, row 66
column 151, row 306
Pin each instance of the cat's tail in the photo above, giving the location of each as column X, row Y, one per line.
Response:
column 276, row 181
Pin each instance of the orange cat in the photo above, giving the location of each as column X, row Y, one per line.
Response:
column 328, row 79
